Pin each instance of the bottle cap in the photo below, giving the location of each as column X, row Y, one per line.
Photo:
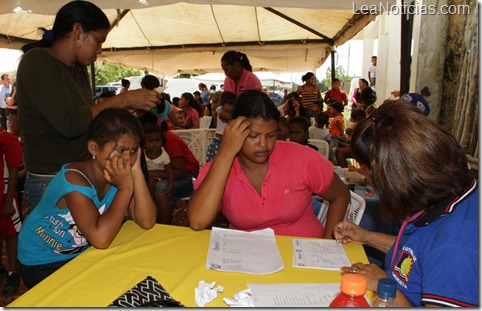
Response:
column 387, row 288
column 353, row 284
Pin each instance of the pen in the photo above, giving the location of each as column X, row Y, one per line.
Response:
column 343, row 224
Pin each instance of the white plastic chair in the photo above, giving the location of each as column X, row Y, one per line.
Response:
column 205, row 122
column 198, row 141
column 355, row 214
column 322, row 145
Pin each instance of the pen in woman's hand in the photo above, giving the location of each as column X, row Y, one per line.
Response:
column 343, row 224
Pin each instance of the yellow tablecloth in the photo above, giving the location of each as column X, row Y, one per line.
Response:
column 175, row 256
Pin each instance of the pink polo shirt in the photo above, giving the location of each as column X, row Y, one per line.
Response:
column 295, row 172
column 248, row 81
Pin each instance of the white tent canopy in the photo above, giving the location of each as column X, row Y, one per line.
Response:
column 170, row 36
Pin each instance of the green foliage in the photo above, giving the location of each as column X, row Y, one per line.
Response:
column 112, row 73
column 339, row 73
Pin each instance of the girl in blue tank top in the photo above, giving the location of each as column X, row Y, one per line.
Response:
column 86, row 202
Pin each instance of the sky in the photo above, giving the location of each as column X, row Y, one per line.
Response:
column 348, row 56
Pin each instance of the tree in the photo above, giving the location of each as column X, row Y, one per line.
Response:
column 112, row 73
column 339, row 73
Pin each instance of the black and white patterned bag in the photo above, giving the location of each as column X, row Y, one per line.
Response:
column 147, row 293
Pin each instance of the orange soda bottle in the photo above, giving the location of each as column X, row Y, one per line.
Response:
column 353, row 288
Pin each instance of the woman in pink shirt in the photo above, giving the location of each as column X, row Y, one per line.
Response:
column 238, row 71
column 259, row 182
column 187, row 103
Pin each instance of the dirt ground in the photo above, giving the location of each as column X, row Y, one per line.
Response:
column 179, row 219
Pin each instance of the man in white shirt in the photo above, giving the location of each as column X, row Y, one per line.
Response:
column 372, row 71
column 5, row 93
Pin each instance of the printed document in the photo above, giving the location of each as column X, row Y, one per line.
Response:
column 246, row 252
column 294, row 295
column 319, row 254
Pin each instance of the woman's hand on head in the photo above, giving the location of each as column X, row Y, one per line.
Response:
column 234, row 135
column 142, row 99
column 118, row 173
column 350, row 233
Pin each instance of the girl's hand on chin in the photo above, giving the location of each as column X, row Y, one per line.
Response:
column 118, row 173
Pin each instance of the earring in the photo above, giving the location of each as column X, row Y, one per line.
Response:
column 93, row 157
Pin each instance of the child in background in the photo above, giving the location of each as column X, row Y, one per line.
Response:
column 295, row 108
column 181, row 118
column 298, row 131
column 319, row 130
column 215, row 104
column 226, row 101
column 283, row 129
column 336, row 127
column 317, row 107
column 158, row 161
column 175, row 101
column 11, row 215
column 355, row 116
column 86, row 202
column 344, row 150
column 372, row 71
column 336, row 93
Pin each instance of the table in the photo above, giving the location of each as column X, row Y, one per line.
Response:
column 175, row 256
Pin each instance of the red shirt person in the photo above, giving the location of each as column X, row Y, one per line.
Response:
column 336, row 93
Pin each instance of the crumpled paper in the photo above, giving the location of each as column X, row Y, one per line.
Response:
column 241, row 299
column 205, row 293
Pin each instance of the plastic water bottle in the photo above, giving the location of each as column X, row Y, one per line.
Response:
column 386, row 294
column 353, row 288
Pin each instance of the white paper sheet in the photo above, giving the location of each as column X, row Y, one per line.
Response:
column 246, row 252
column 319, row 254
column 294, row 294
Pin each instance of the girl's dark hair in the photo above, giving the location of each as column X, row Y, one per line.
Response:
column 193, row 103
column 307, row 76
column 87, row 14
column 255, row 104
column 154, row 128
column 368, row 96
column 150, row 82
column 322, row 119
column 125, row 82
column 109, row 125
column 231, row 57
column 303, row 111
column 358, row 115
column 300, row 120
column 227, row 98
column 414, row 163
column 203, row 86
column 364, row 81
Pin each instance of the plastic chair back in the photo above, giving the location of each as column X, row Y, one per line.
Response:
column 355, row 213
column 322, row 145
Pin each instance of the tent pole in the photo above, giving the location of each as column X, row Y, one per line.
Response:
column 333, row 76
column 405, row 48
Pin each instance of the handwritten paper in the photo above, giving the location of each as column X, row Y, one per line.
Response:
column 293, row 295
column 246, row 252
column 319, row 254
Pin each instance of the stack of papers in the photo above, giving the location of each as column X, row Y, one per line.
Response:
column 319, row 254
column 246, row 252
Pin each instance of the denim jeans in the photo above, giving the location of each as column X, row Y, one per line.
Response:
column 182, row 188
column 334, row 142
column 32, row 275
column 35, row 186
